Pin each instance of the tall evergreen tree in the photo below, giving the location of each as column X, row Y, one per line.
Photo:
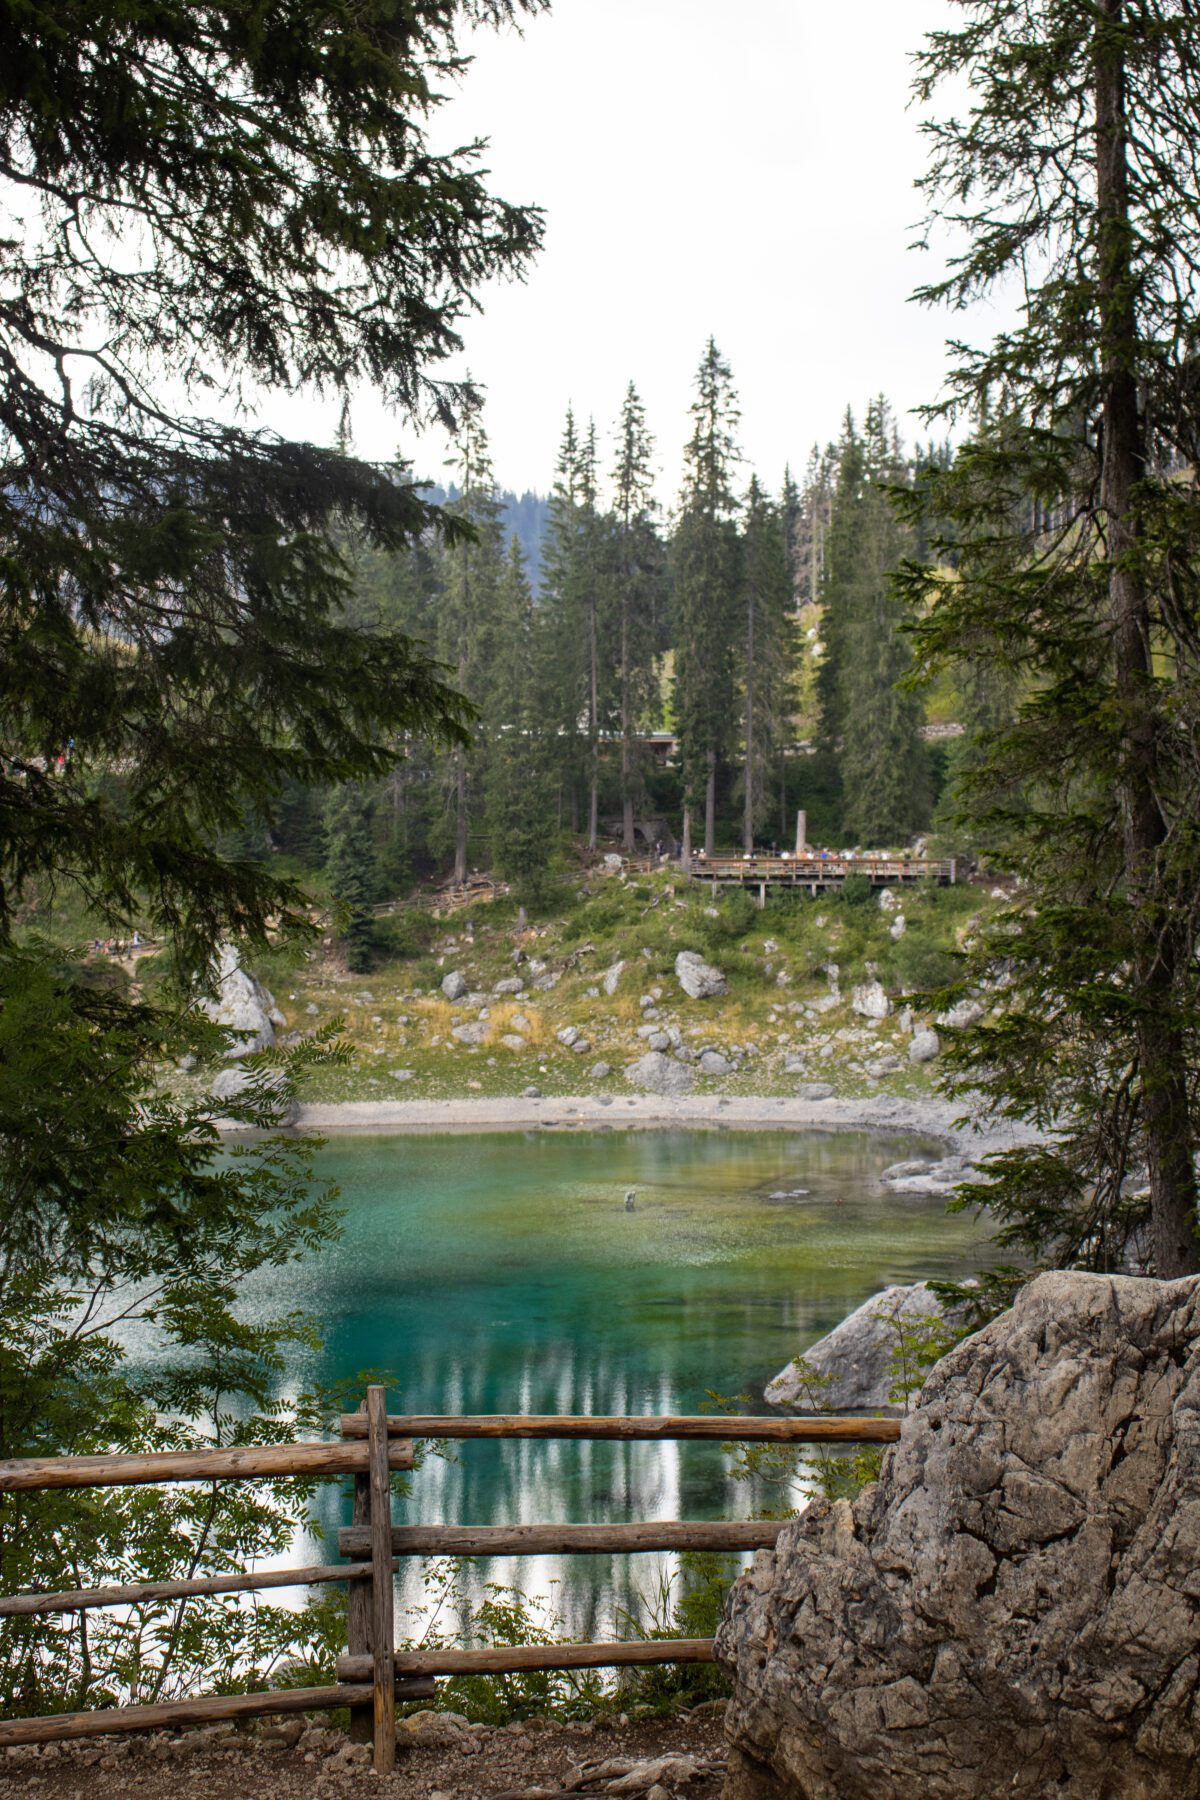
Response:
column 471, row 576
column 766, row 652
column 1075, row 535
column 638, row 586
column 705, row 574
column 350, row 869
column 517, row 783
column 871, row 721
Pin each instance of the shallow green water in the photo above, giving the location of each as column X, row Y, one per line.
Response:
column 501, row 1273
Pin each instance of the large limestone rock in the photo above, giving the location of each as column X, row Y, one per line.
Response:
column 870, row 1000
column 239, row 1001
column 698, row 979
column 854, row 1361
column 1014, row 1608
column 659, row 1074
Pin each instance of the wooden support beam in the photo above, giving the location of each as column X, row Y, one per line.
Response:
column 358, row 1611
column 508, row 1659
column 56, row 1727
column 243, row 1462
column 382, row 1622
column 138, row 1593
column 569, row 1540
column 743, row 1429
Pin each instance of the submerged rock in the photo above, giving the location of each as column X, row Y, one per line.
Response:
column 1013, row 1607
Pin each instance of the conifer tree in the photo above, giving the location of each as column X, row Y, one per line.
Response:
column 1074, row 525
column 351, row 871
column 871, row 721
column 705, row 578
column 471, row 575
column 560, row 664
column 638, row 586
column 516, row 784
column 765, row 653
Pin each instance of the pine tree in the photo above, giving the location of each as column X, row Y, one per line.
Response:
column 351, row 870
column 638, row 588
column 766, row 652
column 517, row 784
column 1075, row 528
column 705, row 576
column 868, row 719
column 471, row 575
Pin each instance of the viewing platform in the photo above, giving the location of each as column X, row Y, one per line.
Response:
column 819, row 874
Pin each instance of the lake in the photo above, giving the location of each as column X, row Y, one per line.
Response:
column 500, row 1272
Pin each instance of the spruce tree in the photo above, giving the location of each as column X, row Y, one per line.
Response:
column 869, row 719
column 517, row 781
column 638, row 589
column 350, row 869
column 705, row 571
column 471, row 573
column 765, row 653
column 1074, row 527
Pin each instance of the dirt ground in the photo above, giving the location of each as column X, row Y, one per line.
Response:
column 436, row 1756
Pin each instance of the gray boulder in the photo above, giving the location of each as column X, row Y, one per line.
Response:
column 472, row 1033
column 512, row 984
column 925, row 1045
column 237, row 1000
column 814, row 1090
column 1012, row 1609
column 611, row 977
column 698, row 979
column 237, row 1082
column 659, row 1074
column 855, row 1358
column 870, row 1001
column 454, row 985
column 600, row 1071
column 713, row 1063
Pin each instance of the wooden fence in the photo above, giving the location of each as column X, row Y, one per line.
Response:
column 373, row 1674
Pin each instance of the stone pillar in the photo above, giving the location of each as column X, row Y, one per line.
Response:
column 801, row 833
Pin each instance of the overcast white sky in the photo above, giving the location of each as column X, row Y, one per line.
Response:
column 745, row 171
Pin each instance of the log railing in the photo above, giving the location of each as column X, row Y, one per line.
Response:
column 374, row 1675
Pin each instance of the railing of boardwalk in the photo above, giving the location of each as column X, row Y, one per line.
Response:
column 374, row 1675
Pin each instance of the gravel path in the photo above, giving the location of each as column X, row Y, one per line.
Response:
column 439, row 1756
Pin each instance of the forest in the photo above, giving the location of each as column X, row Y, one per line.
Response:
column 755, row 633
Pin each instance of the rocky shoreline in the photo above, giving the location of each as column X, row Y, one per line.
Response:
column 645, row 1112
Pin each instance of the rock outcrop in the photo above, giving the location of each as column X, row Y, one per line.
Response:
column 855, row 1361
column 659, row 1074
column 698, row 979
column 1014, row 1608
column 239, row 1001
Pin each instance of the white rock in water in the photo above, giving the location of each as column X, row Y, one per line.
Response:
column 1024, row 1615
column 698, row 979
column 239, row 1001
column 925, row 1045
column 856, row 1356
column 659, row 1074
column 870, row 1001
column 454, row 985
column 611, row 977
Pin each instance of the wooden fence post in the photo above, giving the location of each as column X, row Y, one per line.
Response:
column 358, row 1613
column 383, row 1635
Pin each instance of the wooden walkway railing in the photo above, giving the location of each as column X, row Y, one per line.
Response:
column 373, row 1674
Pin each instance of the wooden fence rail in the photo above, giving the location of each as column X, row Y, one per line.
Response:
column 373, row 1675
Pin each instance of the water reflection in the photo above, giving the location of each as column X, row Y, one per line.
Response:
column 502, row 1274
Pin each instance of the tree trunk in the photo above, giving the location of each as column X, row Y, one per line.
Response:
column 685, row 849
column 748, row 805
column 1161, row 1053
column 460, row 818
column 626, row 731
column 710, row 806
column 593, row 727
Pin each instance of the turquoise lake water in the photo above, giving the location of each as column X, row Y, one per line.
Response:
column 501, row 1273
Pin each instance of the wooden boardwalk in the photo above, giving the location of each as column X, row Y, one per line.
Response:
column 819, row 874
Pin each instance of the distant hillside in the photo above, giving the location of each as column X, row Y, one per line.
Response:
column 524, row 517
